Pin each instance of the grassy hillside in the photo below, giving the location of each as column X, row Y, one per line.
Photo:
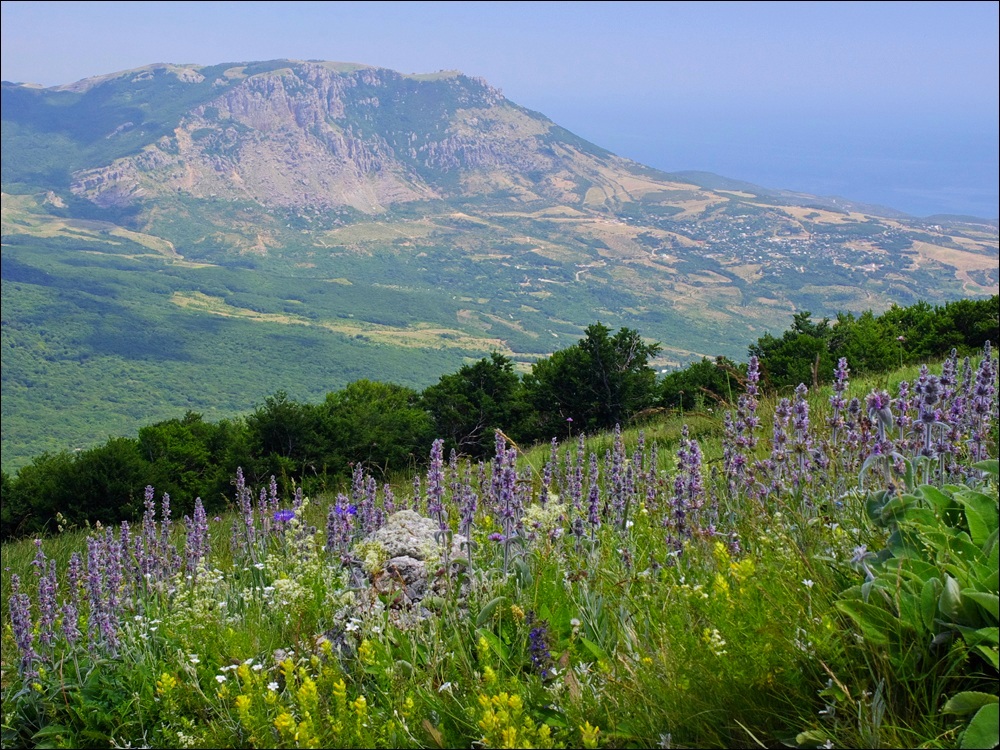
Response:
column 705, row 580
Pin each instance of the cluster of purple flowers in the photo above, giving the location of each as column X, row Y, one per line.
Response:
column 340, row 525
column 941, row 423
column 538, row 646
column 934, row 420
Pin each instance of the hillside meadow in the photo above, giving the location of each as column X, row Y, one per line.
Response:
column 816, row 568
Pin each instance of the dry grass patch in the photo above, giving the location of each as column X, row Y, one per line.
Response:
column 417, row 336
column 960, row 260
column 380, row 231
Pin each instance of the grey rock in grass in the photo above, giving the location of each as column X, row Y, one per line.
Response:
column 406, row 533
column 405, row 564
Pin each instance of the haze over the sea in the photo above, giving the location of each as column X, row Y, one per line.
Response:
column 894, row 103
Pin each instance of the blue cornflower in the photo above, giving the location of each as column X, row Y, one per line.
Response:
column 284, row 516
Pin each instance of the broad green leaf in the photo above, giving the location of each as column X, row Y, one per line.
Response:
column 976, row 636
column 523, row 573
column 991, row 654
column 940, row 501
column 917, row 515
column 877, row 626
column 950, row 601
column 594, row 649
column 990, row 466
column 928, row 602
column 918, row 570
column 910, row 613
column 818, row 736
column 968, row 702
column 894, row 509
column 981, row 513
column 984, row 729
column 991, row 549
column 876, row 501
column 487, row 611
column 989, row 602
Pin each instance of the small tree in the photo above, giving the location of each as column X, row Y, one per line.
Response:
column 597, row 383
column 467, row 406
column 379, row 424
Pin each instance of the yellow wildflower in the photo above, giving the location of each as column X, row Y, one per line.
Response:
column 590, row 735
column 166, row 683
column 285, row 723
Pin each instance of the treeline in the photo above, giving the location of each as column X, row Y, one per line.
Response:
column 809, row 350
column 603, row 380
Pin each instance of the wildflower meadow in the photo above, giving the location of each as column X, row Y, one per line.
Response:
column 813, row 568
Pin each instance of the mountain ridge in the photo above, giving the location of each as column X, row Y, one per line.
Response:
column 394, row 217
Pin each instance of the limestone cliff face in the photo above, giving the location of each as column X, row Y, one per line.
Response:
column 315, row 134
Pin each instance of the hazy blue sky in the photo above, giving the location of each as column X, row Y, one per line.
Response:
column 888, row 102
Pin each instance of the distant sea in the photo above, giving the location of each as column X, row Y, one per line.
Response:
column 912, row 165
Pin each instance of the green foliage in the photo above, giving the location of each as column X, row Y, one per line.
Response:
column 931, row 597
column 807, row 352
column 286, row 432
column 467, row 406
column 800, row 354
column 601, row 381
column 707, row 383
column 190, row 458
column 379, row 425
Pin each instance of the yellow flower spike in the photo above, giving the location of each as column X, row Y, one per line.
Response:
column 721, row 585
column 489, row 676
column 408, row 706
column 166, row 683
column 590, row 735
column 360, row 706
column 742, row 571
column 308, row 695
column 340, row 697
column 243, row 703
column 327, row 648
column 721, row 555
column 517, row 613
column 288, row 669
column 285, row 724
column 366, row 652
column 545, row 735
column 483, row 649
column 244, row 674
column 509, row 737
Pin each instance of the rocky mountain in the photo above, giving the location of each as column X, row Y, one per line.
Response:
column 395, row 225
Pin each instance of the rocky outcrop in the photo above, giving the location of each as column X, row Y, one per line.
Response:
column 404, row 564
column 314, row 135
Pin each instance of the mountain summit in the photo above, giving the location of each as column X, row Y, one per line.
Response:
column 290, row 133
